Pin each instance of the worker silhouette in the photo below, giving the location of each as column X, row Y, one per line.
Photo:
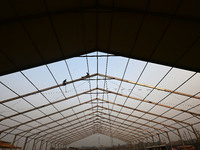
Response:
column 87, row 75
column 64, row 82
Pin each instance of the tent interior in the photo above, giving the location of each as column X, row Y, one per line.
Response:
column 99, row 73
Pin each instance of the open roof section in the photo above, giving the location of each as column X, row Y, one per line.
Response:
column 120, row 97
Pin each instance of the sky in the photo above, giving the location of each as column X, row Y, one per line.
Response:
column 133, row 70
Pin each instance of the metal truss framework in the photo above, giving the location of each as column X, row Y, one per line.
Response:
column 97, row 119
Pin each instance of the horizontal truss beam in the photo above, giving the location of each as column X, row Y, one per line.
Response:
column 150, row 102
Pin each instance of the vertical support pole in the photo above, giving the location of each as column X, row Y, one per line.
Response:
column 184, row 133
column 33, row 144
column 13, row 143
column 143, row 143
column 163, row 139
column 54, row 145
column 134, row 146
column 153, row 140
column 36, row 144
column 46, row 145
column 148, row 144
column 195, row 133
column 189, row 135
column 51, row 145
column 131, row 145
column 181, row 138
column 41, row 144
column 169, row 139
column 140, row 145
column 24, row 147
column 159, row 139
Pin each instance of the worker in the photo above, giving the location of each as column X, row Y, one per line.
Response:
column 64, row 82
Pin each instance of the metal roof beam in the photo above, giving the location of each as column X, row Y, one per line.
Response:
column 46, row 89
column 137, row 117
column 149, row 86
column 175, row 120
column 47, row 116
column 150, row 102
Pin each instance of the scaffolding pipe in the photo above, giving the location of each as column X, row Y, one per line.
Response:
column 153, row 87
column 140, row 143
column 153, row 140
column 33, row 144
column 169, row 139
column 14, row 139
column 41, row 144
column 195, row 133
column 143, row 143
column 181, row 138
column 148, row 144
column 46, row 145
column 159, row 139
column 190, row 137
column 24, row 147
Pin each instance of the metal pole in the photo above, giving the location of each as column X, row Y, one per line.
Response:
column 185, row 135
column 131, row 145
column 36, row 144
column 14, row 140
column 55, row 145
column 25, row 143
column 137, row 146
column 143, row 144
column 181, row 138
column 140, row 145
column 46, row 145
column 159, row 139
column 169, row 140
column 41, row 144
column 190, row 136
column 33, row 144
column 148, row 144
column 195, row 133
column 153, row 140
column 51, row 145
